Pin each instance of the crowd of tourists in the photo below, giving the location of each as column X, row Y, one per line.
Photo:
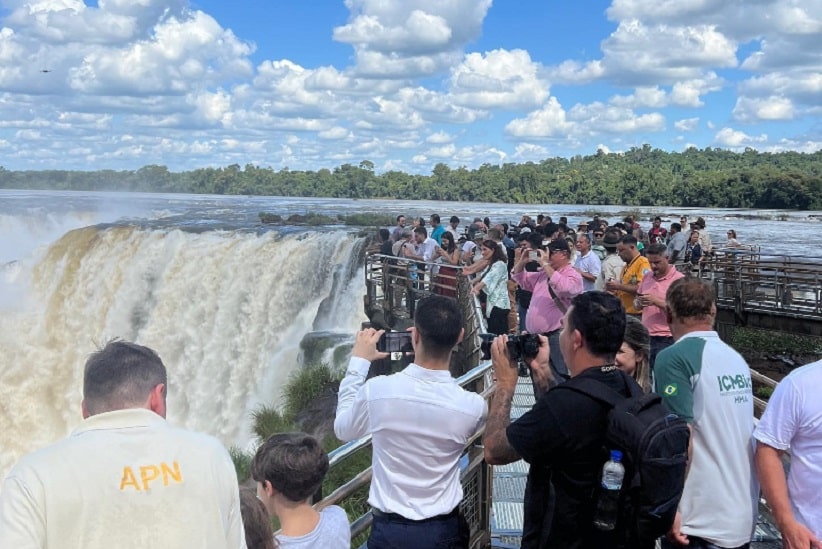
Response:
column 616, row 328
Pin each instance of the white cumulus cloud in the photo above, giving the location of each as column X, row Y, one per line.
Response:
column 402, row 38
column 768, row 108
column 687, row 124
column 548, row 121
column 500, row 78
column 735, row 139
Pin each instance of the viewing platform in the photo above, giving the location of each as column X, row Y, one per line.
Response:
column 747, row 287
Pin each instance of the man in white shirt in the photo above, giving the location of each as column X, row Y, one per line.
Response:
column 587, row 264
column 420, row 421
column 124, row 478
column 424, row 251
column 425, row 245
column 793, row 422
column 453, row 227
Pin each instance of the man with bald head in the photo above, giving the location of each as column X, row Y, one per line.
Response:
column 124, row 478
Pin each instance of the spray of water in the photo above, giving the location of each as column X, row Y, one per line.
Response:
column 225, row 310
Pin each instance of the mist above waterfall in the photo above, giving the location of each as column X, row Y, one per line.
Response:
column 226, row 311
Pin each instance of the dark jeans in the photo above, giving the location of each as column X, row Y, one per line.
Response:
column 498, row 321
column 658, row 343
column 558, row 367
column 390, row 531
column 521, row 311
column 698, row 543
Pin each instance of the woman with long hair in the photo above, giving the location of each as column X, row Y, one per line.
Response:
column 693, row 251
column 257, row 523
column 494, row 283
column 448, row 256
column 632, row 357
column 732, row 240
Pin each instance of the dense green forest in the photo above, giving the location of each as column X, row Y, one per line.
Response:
column 639, row 177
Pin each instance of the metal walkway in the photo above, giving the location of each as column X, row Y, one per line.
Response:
column 509, row 488
column 509, row 482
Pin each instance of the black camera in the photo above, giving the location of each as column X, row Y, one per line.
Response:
column 520, row 347
column 395, row 342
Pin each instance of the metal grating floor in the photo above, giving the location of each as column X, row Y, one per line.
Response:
column 508, row 487
column 509, row 482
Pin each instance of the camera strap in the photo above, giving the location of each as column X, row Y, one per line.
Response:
column 560, row 305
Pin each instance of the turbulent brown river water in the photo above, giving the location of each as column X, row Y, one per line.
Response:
column 225, row 300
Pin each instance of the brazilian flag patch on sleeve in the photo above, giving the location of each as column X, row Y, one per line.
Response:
column 670, row 390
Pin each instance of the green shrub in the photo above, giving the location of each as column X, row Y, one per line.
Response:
column 764, row 392
column 270, row 218
column 242, row 463
column 766, row 341
column 368, row 219
column 316, row 219
column 306, row 384
column 267, row 421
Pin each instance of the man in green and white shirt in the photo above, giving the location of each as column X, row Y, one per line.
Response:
column 708, row 384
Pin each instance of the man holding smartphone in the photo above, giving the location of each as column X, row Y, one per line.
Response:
column 553, row 287
column 420, row 420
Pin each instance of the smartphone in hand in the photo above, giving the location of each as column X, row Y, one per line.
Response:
column 395, row 342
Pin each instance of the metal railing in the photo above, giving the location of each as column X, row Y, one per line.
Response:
column 747, row 281
column 397, row 284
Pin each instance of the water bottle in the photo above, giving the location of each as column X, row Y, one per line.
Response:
column 605, row 517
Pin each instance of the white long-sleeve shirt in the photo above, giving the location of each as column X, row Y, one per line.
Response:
column 420, row 421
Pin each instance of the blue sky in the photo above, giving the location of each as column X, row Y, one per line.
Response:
column 405, row 84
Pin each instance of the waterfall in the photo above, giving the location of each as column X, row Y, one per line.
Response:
column 225, row 310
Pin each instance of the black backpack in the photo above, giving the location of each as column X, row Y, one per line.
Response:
column 654, row 445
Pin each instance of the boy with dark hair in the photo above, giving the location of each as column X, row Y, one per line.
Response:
column 289, row 468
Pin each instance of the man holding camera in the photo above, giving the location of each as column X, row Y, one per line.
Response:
column 562, row 436
column 553, row 286
column 420, row 420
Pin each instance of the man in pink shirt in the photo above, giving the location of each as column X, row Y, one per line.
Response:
column 650, row 298
column 546, row 311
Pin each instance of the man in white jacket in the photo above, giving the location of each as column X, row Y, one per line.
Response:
column 124, row 478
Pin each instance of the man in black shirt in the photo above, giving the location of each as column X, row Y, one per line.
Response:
column 563, row 436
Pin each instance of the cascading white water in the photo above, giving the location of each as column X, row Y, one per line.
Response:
column 225, row 310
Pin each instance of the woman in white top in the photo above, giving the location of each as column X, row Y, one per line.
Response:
column 732, row 241
column 494, row 282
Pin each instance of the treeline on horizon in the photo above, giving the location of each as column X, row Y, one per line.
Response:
column 642, row 176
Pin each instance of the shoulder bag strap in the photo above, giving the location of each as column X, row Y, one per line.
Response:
column 557, row 301
column 599, row 391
